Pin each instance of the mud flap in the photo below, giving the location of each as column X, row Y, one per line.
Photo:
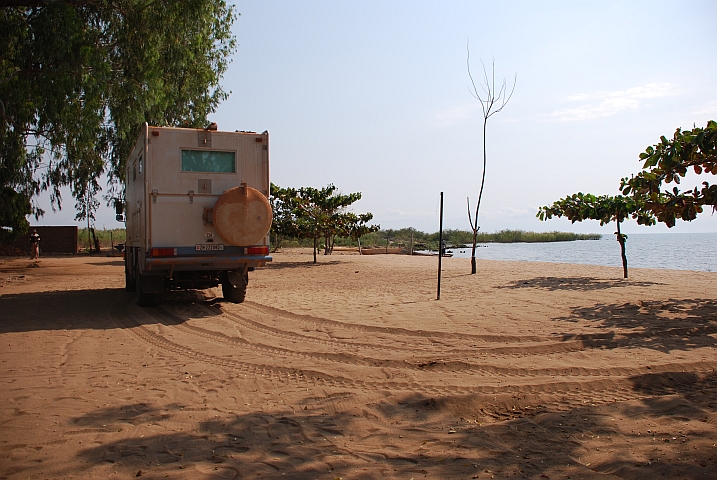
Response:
column 238, row 279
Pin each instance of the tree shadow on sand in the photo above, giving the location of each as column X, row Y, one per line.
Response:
column 112, row 263
column 445, row 437
column 691, row 385
column 576, row 283
column 659, row 325
column 306, row 264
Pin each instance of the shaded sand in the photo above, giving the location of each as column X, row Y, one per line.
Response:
column 351, row 369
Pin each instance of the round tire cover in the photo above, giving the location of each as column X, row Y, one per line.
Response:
column 242, row 218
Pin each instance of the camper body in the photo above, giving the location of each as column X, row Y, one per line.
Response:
column 196, row 211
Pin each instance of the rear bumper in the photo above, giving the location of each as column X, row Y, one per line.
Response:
column 206, row 262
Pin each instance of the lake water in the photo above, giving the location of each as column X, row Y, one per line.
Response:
column 678, row 251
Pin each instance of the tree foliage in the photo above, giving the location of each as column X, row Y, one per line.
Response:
column 604, row 208
column 668, row 162
column 355, row 226
column 78, row 78
column 323, row 213
column 285, row 221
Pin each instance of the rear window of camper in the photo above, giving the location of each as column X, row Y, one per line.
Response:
column 208, row 161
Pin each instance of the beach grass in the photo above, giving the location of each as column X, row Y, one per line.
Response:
column 454, row 238
column 401, row 237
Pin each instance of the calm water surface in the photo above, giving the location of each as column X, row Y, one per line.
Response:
column 678, row 251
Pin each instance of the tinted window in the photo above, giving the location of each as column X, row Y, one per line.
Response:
column 208, row 161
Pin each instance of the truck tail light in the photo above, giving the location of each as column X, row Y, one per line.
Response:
column 163, row 252
column 257, row 250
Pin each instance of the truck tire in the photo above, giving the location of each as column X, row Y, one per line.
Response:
column 144, row 299
column 233, row 294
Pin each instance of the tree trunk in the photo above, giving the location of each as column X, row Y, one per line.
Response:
column 473, row 252
column 621, row 240
column 92, row 239
column 277, row 243
column 316, row 241
column 359, row 244
column 480, row 197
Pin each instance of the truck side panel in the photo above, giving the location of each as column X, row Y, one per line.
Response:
column 135, row 197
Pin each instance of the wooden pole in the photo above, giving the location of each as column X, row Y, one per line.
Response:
column 440, row 249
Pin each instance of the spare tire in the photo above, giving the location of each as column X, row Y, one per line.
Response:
column 242, row 216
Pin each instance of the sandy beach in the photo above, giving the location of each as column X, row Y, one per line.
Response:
column 352, row 369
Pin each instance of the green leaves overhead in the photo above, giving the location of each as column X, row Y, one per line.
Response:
column 668, row 162
column 604, row 208
column 77, row 80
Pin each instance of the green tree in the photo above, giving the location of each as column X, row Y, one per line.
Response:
column 668, row 162
column 284, row 223
column 492, row 100
column 321, row 208
column 355, row 226
column 605, row 209
column 77, row 80
column 317, row 214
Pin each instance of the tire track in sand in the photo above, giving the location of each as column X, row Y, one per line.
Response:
column 423, row 364
column 559, row 394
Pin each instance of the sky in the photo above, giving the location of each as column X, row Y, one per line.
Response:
column 373, row 96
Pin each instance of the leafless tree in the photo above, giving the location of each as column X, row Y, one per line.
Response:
column 492, row 101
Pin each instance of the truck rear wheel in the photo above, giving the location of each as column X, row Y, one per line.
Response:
column 144, row 299
column 234, row 294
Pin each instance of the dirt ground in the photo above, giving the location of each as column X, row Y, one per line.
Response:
column 351, row 369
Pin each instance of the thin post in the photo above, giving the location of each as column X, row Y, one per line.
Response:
column 440, row 249
column 411, row 249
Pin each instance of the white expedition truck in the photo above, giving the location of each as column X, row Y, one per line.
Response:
column 196, row 210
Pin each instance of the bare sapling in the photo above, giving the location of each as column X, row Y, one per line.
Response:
column 492, row 100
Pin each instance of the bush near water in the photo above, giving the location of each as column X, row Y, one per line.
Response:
column 400, row 237
column 454, row 238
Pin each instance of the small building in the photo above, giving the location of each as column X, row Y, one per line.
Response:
column 61, row 239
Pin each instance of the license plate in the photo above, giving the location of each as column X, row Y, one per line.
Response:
column 206, row 247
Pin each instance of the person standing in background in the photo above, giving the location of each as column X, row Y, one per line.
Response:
column 35, row 240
